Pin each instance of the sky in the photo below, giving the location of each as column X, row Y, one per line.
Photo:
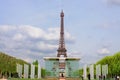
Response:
column 29, row 29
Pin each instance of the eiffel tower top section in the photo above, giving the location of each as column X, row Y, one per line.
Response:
column 62, row 50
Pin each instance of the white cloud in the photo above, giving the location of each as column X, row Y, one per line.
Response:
column 6, row 28
column 44, row 46
column 18, row 37
column 29, row 42
column 53, row 34
column 32, row 31
column 104, row 51
column 115, row 2
column 75, row 54
column 109, row 24
column 28, row 60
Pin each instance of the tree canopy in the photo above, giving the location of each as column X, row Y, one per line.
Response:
column 8, row 63
column 113, row 63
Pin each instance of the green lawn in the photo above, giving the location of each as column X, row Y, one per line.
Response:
column 23, row 79
column 41, row 79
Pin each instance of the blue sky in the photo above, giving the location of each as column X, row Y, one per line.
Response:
column 29, row 29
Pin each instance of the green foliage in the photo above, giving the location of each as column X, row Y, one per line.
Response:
column 76, row 73
column 43, row 71
column 81, row 72
column 113, row 63
column 36, row 66
column 24, row 79
column 35, row 62
column 8, row 63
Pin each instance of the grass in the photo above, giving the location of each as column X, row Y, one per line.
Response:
column 23, row 79
column 43, row 79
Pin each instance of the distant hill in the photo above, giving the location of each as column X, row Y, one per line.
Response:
column 8, row 63
column 113, row 63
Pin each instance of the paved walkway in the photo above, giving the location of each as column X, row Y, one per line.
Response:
column 3, row 79
column 62, row 79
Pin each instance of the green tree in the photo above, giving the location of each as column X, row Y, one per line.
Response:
column 35, row 62
column 36, row 66
column 113, row 63
column 8, row 63
column 43, row 71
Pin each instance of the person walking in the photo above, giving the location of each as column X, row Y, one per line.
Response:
column 88, row 76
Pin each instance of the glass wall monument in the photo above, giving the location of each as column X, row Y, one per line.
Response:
column 62, row 66
column 54, row 69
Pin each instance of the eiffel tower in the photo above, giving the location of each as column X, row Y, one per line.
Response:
column 61, row 65
column 62, row 50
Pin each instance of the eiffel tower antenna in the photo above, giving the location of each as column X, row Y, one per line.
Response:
column 61, row 5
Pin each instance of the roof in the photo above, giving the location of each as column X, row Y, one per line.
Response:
column 57, row 58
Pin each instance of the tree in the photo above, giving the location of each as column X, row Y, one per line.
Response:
column 8, row 63
column 36, row 66
column 113, row 63
column 43, row 71
column 35, row 62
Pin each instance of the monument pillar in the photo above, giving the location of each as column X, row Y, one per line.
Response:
column 32, row 71
column 92, row 72
column 39, row 71
column 85, row 72
column 26, row 71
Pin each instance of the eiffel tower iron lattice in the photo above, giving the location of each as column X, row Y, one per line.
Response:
column 62, row 50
